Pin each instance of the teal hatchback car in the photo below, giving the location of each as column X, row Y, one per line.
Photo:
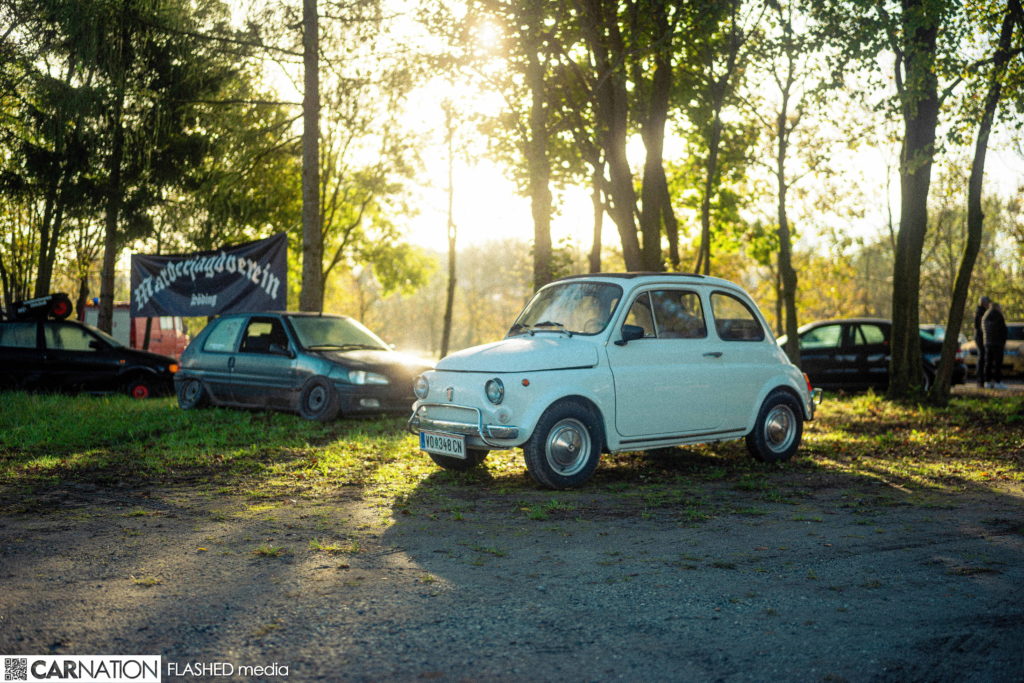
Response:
column 318, row 366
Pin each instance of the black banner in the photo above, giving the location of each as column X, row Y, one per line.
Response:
column 249, row 277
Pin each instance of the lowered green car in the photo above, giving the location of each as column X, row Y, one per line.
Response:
column 317, row 365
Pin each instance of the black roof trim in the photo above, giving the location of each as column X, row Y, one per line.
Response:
column 629, row 276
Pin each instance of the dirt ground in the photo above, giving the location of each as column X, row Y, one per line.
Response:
column 852, row 581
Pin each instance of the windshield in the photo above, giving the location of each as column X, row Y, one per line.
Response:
column 334, row 334
column 571, row 308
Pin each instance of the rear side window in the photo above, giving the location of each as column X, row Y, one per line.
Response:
column 868, row 335
column 734, row 321
column 224, row 335
column 67, row 337
column 18, row 335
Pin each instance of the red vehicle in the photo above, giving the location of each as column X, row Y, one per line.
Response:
column 166, row 335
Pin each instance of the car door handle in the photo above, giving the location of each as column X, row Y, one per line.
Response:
column 713, row 354
column 231, row 363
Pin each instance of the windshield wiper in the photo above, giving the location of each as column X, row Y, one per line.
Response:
column 343, row 347
column 550, row 323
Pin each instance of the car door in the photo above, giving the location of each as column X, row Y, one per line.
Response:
column 264, row 370
column 869, row 343
column 747, row 356
column 663, row 381
column 21, row 355
column 77, row 358
column 215, row 363
column 819, row 348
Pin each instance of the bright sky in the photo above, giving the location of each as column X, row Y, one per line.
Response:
column 487, row 206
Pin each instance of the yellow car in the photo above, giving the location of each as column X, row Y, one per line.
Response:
column 1013, row 354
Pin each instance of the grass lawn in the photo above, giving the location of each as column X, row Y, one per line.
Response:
column 48, row 441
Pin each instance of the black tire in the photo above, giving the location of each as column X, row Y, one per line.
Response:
column 192, row 394
column 565, row 447
column 474, row 458
column 318, row 400
column 778, row 429
column 141, row 387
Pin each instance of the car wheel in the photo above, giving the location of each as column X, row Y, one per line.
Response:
column 474, row 458
column 564, row 448
column 140, row 387
column 318, row 400
column 192, row 394
column 778, row 428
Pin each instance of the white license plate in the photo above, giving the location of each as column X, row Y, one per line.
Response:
column 452, row 445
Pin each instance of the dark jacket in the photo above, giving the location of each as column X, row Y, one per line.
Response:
column 979, row 313
column 994, row 328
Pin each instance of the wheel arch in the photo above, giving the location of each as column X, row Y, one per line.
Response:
column 785, row 387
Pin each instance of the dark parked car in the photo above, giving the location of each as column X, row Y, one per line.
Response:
column 38, row 352
column 854, row 354
column 312, row 364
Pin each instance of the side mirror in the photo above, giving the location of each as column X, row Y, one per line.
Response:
column 279, row 350
column 630, row 333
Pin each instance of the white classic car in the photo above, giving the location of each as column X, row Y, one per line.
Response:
column 616, row 362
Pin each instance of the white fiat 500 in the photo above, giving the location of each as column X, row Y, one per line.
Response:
column 616, row 362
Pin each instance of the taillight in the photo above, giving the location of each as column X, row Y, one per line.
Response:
column 172, row 368
column 807, row 379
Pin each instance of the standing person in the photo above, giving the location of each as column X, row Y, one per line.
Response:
column 979, row 338
column 993, row 326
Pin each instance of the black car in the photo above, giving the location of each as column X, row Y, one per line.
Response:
column 41, row 351
column 313, row 364
column 854, row 354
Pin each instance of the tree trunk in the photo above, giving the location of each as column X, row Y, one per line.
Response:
column 940, row 390
column 611, row 108
column 787, row 274
column 652, row 191
column 537, row 148
column 920, row 106
column 449, row 302
column 710, row 183
column 111, row 239
column 312, row 293
column 598, row 205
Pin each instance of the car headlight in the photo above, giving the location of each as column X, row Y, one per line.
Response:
column 495, row 390
column 364, row 377
column 421, row 387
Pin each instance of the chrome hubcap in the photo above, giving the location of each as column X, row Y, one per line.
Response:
column 568, row 447
column 780, row 428
column 192, row 390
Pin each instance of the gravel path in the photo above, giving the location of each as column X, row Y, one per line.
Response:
column 838, row 587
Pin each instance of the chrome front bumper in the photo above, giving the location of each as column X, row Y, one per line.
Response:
column 486, row 433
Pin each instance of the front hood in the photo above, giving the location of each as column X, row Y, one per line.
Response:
column 376, row 359
column 552, row 351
